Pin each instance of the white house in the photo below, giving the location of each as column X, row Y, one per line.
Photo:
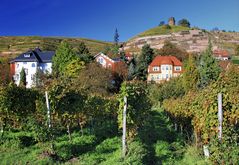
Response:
column 162, row 68
column 30, row 61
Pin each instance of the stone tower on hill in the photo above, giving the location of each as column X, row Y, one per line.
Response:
column 171, row 21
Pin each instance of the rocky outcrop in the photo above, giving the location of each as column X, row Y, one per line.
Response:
column 191, row 40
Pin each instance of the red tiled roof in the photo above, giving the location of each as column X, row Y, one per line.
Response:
column 171, row 60
column 222, row 53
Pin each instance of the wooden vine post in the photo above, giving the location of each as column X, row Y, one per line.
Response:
column 48, row 110
column 49, row 119
column 220, row 116
column 124, row 128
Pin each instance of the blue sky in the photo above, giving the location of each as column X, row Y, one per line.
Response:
column 97, row 19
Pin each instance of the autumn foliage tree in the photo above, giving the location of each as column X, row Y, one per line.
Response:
column 170, row 49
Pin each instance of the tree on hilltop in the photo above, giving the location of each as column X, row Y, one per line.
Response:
column 184, row 22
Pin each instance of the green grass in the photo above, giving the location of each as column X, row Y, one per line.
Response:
column 156, row 143
column 160, row 30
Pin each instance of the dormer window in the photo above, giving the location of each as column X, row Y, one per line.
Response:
column 177, row 68
column 27, row 55
column 155, row 68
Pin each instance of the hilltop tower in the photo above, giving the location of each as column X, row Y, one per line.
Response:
column 171, row 21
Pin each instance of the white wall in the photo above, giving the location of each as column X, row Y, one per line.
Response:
column 31, row 71
column 166, row 72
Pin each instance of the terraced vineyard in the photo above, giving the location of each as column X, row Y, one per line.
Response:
column 11, row 46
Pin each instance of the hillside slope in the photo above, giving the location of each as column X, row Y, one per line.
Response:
column 12, row 46
column 189, row 39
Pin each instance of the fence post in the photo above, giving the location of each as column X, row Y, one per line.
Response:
column 220, row 116
column 48, row 110
column 124, row 128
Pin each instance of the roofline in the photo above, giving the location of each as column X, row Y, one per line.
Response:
column 104, row 56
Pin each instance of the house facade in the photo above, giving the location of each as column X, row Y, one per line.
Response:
column 113, row 64
column 222, row 55
column 163, row 68
column 31, row 61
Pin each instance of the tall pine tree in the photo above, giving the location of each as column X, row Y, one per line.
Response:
column 116, row 37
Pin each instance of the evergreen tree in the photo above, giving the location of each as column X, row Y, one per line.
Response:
column 84, row 52
column 190, row 76
column 64, row 55
column 143, row 61
column 23, row 81
column 131, row 71
column 116, row 37
column 209, row 69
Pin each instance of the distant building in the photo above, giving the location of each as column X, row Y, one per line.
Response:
column 221, row 55
column 113, row 64
column 171, row 21
column 30, row 61
column 162, row 68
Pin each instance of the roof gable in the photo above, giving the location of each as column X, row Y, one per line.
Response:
column 35, row 56
column 165, row 60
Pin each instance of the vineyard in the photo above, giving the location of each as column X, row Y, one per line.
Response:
column 71, row 118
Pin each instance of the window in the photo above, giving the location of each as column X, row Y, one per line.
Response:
column 33, row 65
column 177, row 68
column 156, row 68
column 170, row 67
column 166, row 76
column 27, row 55
column 166, row 67
column 101, row 60
column 152, row 77
column 158, row 76
column 24, row 63
column 17, row 65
